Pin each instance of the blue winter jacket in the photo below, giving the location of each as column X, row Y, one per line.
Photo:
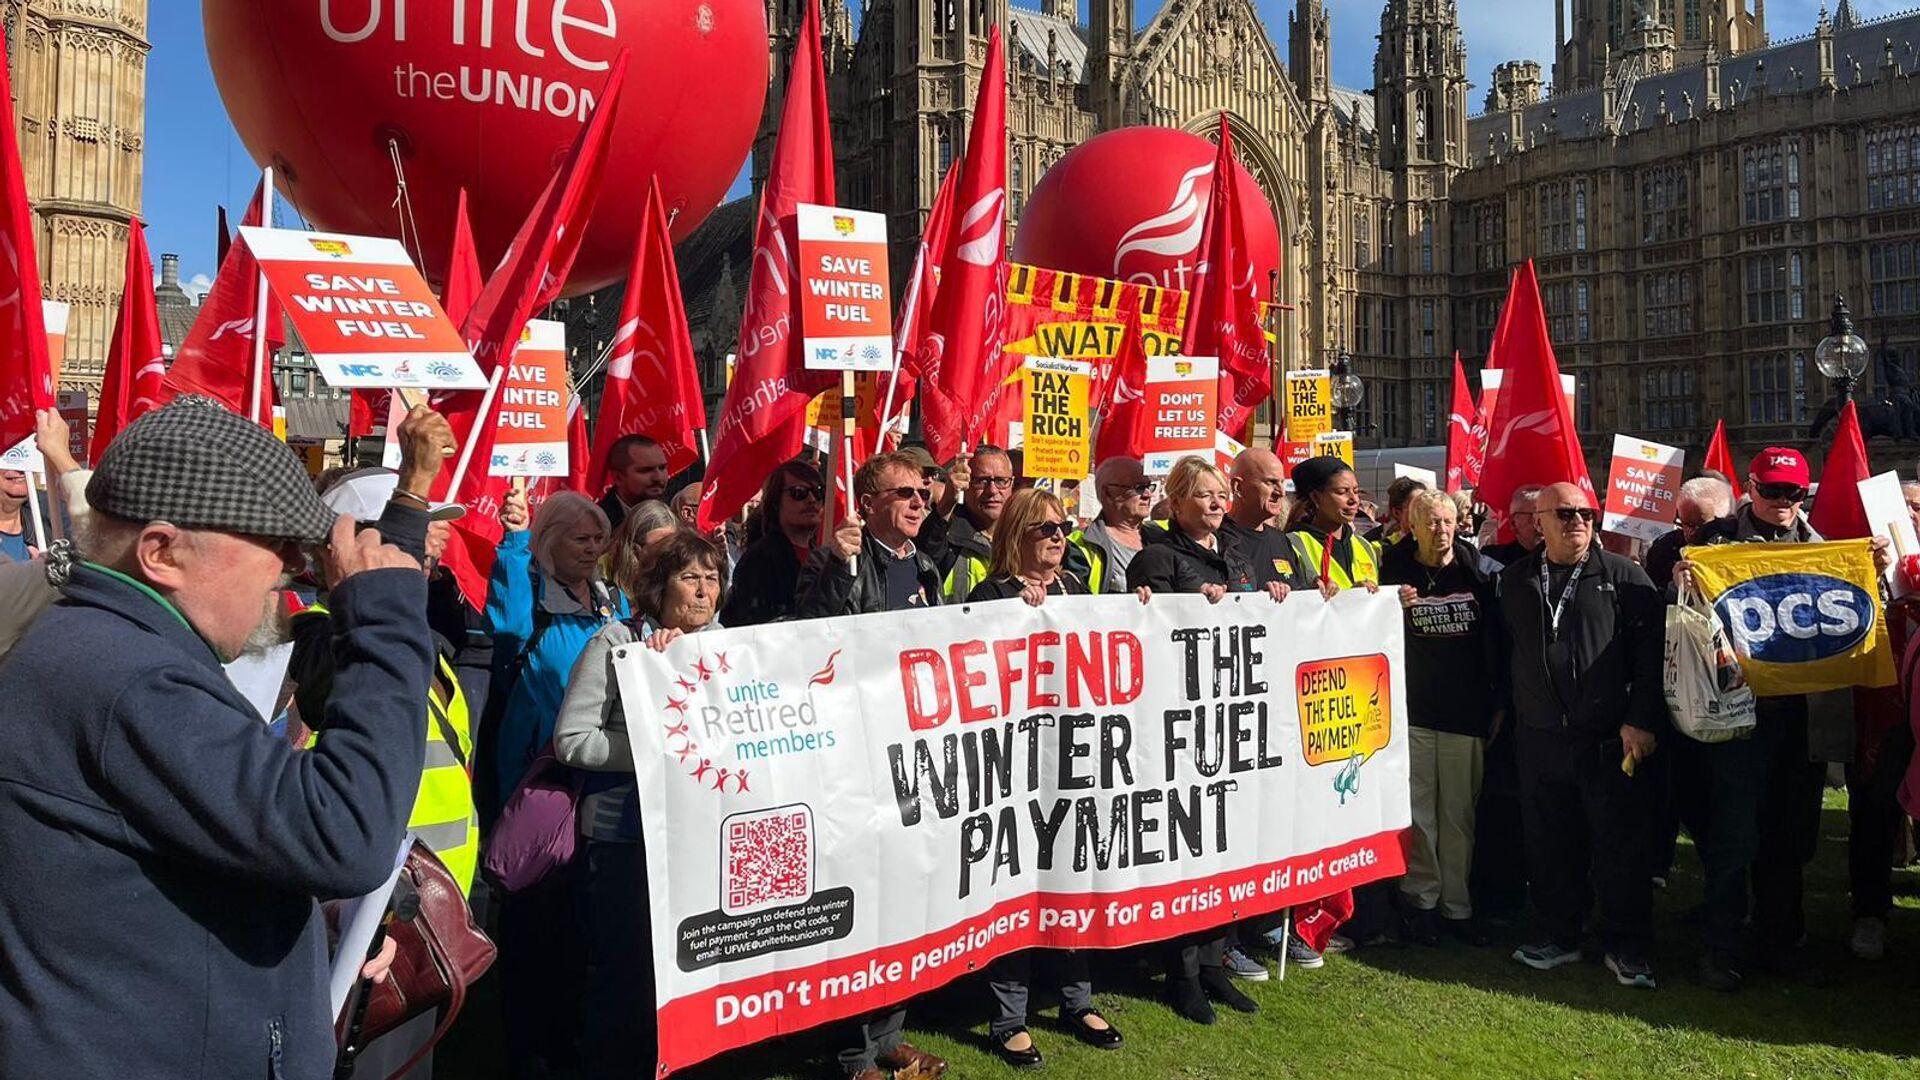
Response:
column 161, row 853
column 534, row 703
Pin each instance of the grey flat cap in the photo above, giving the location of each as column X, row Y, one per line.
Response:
column 197, row 465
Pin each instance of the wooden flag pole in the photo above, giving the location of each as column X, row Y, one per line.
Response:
column 33, row 510
column 1278, row 361
column 480, row 422
column 849, row 426
column 706, row 450
column 257, row 377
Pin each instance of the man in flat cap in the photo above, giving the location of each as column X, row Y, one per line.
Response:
column 161, row 854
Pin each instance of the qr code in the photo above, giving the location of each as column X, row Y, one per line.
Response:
column 768, row 858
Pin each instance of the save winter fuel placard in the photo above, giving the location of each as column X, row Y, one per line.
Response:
column 532, row 435
column 1643, row 485
column 844, row 308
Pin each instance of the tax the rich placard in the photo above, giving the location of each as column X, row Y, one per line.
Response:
column 1643, row 485
column 1309, row 404
column 1183, row 409
column 364, row 312
column 1334, row 444
column 841, row 814
column 532, row 435
column 1056, row 423
column 845, row 311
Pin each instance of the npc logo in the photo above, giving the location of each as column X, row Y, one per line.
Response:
column 1796, row 618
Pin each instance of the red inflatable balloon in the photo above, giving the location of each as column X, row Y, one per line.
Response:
column 486, row 94
column 1132, row 204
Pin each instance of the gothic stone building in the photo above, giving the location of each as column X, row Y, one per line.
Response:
column 80, row 89
column 1692, row 198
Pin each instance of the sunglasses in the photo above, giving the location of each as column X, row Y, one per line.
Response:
column 908, row 494
column 1047, row 530
column 1141, row 490
column 1782, row 492
column 803, row 493
column 1571, row 514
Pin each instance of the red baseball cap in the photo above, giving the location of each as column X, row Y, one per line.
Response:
column 1780, row 465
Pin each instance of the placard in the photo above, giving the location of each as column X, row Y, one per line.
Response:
column 1182, row 409
column 1643, row 484
column 364, row 312
column 1885, row 505
column 845, row 311
column 1309, row 404
column 1055, row 423
column 55, row 314
column 1335, row 444
column 1415, row 472
column 531, row 439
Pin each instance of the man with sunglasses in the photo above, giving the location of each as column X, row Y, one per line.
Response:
column 1523, row 512
column 1105, row 548
column 870, row 565
column 1762, row 793
column 990, row 481
column 1587, row 652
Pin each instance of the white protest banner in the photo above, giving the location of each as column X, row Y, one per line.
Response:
column 532, row 435
column 1887, row 515
column 1183, row 407
column 1415, row 472
column 843, row 813
column 1642, row 486
column 844, row 310
column 363, row 310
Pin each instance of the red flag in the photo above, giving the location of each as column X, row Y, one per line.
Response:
column 961, row 358
column 26, row 372
column 1531, row 437
column 1466, row 434
column 579, row 456
column 661, row 399
column 1720, row 458
column 529, row 277
column 1122, row 410
column 463, row 278
column 1223, row 314
column 360, row 409
column 923, row 284
column 217, row 359
column 135, row 357
column 1838, row 513
column 764, row 419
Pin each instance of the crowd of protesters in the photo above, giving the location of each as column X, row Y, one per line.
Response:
column 1543, row 766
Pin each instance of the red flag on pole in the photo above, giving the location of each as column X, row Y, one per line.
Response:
column 579, row 454
column 764, row 419
column 136, row 362
column 1720, row 458
column 1531, row 437
column 217, row 359
column 1466, row 434
column 1838, row 513
column 529, row 277
column 1223, row 316
column 463, row 279
column 653, row 383
column 961, row 358
column 1122, row 408
column 923, row 284
column 26, row 372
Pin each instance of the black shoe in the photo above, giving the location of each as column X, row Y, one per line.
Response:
column 1717, row 972
column 1107, row 1038
column 1423, row 927
column 1469, row 931
column 1019, row 1059
column 1189, row 1000
column 1791, row 964
column 1221, row 989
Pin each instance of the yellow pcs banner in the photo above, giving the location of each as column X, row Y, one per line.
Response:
column 1803, row 617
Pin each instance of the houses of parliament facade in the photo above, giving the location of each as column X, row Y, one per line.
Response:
column 1693, row 192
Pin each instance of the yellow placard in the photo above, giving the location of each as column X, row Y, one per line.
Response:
column 1309, row 404
column 1346, row 707
column 1055, row 418
column 1802, row 617
column 1334, row 444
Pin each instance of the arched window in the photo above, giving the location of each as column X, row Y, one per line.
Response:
column 945, row 154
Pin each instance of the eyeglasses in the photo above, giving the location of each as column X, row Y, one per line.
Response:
column 908, row 494
column 1781, row 492
column 803, row 493
column 1571, row 514
column 1047, row 530
column 1525, row 513
column 994, row 481
column 1141, row 490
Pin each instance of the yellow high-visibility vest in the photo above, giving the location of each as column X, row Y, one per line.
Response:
column 1309, row 550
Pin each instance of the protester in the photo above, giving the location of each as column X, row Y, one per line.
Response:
column 946, row 498
column 675, row 590
column 165, row 851
column 647, row 525
column 1587, row 636
column 990, row 480
column 1191, row 556
column 870, row 565
column 25, row 590
column 1325, row 544
column 1524, row 515
column 545, row 600
column 792, row 503
column 1029, row 552
column 1699, row 501
column 685, row 505
column 1256, row 522
column 636, row 473
column 18, row 541
column 1761, row 812
column 1454, row 697
column 1394, row 528
column 1108, row 544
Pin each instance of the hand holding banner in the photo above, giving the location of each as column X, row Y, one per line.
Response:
column 1803, row 617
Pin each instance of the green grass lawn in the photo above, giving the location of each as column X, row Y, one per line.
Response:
column 1456, row 1011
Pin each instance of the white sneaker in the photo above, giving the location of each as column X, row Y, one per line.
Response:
column 1869, row 938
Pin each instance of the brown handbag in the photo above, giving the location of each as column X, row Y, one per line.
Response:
column 439, row 954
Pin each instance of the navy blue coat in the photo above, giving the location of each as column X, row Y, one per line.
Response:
column 161, row 853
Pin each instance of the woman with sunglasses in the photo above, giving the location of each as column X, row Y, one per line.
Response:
column 791, row 503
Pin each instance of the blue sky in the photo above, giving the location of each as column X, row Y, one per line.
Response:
column 195, row 161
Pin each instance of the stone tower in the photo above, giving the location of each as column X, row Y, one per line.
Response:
column 1109, row 45
column 80, row 90
column 1309, row 57
column 1420, row 84
column 1516, row 85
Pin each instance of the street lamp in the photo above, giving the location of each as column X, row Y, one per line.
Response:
column 1841, row 355
column 1348, row 391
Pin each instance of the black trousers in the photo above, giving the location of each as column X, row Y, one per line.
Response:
column 1874, row 823
column 543, row 971
column 1187, row 955
column 1498, row 880
column 1723, row 784
column 621, row 1035
column 1586, row 829
column 870, row 1039
column 1789, row 827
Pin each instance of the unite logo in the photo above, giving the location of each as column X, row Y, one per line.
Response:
column 981, row 244
column 1796, row 618
column 1172, row 234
